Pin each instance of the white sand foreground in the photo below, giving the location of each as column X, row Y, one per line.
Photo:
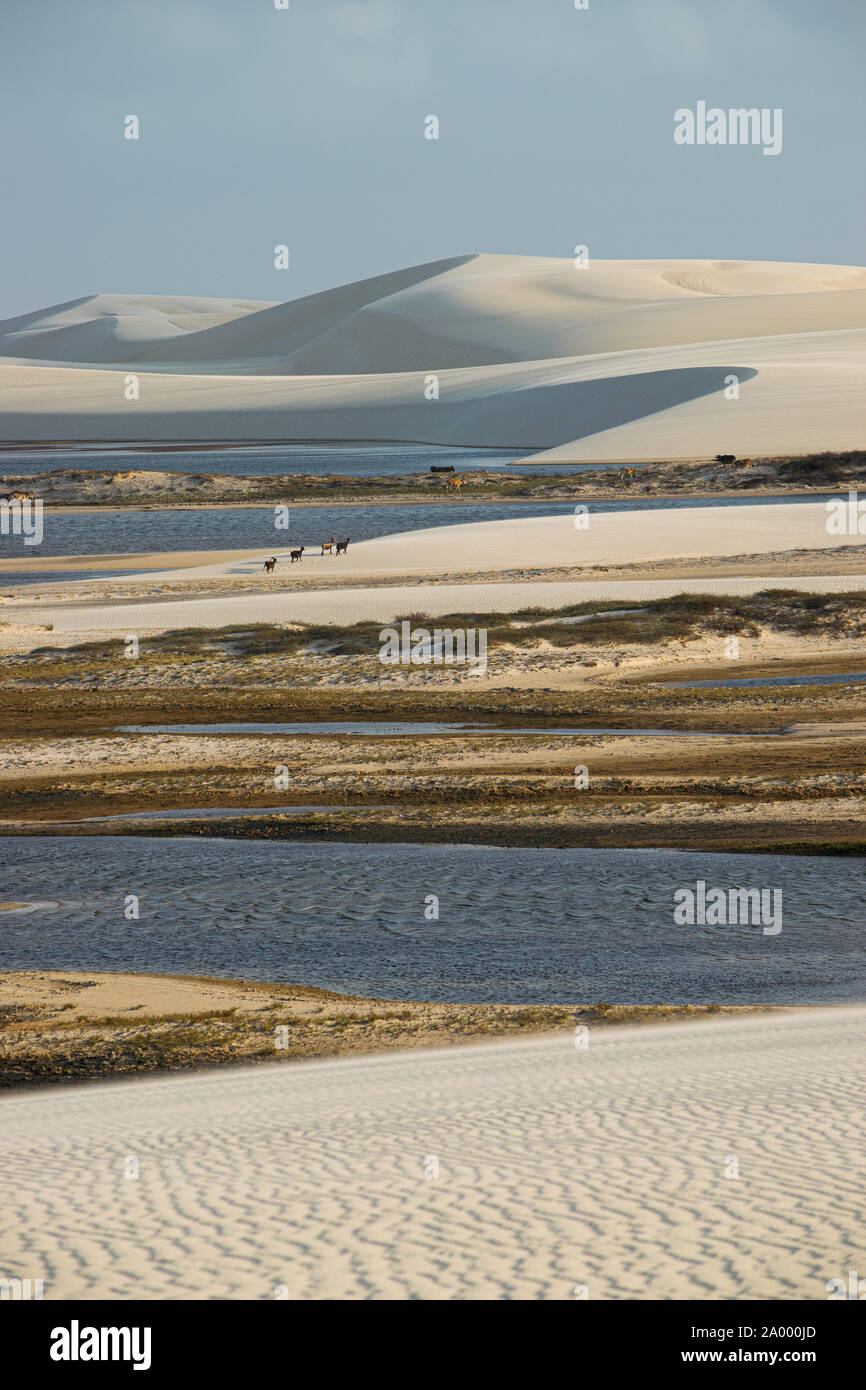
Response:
column 559, row 1170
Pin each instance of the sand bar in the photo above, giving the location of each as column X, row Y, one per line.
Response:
column 347, row 606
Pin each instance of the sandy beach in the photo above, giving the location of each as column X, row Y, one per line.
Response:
column 156, row 560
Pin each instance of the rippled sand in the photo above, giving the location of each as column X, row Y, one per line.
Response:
column 557, row 1168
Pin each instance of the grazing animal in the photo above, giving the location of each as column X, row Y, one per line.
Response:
column 727, row 459
column 297, row 554
column 270, row 565
column 627, row 473
column 327, row 546
column 442, row 468
column 456, row 482
column 342, row 547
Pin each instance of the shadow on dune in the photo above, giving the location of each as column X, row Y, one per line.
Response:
column 525, row 415
column 546, row 415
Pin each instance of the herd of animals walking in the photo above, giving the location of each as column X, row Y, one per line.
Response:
column 331, row 547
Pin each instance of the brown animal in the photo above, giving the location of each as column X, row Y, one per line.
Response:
column 297, row 554
column 328, row 546
column 270, row 565
column 627, row 473
column 342, row 547
column 456, row 482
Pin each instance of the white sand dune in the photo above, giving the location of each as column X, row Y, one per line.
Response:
column 468, row 311
column 557, row 1168
column 529, row 353
column 798, row 394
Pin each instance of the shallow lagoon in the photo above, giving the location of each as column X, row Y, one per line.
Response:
column 514, row 925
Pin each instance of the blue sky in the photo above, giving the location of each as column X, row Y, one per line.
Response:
column 306, row 127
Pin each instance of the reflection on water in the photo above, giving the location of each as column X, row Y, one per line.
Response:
column 519, row 926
